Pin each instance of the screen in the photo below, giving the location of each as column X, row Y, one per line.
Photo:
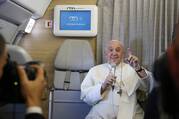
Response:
column 75, row 20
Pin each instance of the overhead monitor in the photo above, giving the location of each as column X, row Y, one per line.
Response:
column 75, row 20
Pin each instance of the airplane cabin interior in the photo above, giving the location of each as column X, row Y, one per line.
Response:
column 69, row 37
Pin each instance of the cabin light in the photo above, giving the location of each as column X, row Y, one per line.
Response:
column 30, row 25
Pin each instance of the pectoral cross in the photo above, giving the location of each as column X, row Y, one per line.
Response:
column 120, row 92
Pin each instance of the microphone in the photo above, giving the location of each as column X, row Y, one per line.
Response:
column 113, row 68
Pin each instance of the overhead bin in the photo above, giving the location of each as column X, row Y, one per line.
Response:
column 38, row 7
column 14, row 13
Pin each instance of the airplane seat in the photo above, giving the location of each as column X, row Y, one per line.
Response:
column 73, row 60
column 15, row 111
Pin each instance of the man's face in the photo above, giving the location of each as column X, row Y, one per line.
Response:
column 114, row 52
column 3, row 61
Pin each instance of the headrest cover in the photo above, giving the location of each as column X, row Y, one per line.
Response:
column 74, row 55
column 18, row 54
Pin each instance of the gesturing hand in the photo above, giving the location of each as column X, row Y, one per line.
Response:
column 132, row 60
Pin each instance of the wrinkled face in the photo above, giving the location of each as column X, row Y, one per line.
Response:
column 3, row 61
column 114, row 52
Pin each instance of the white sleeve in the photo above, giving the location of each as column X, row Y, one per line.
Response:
column 147, row 82
column 90, row 92
column 34, row 109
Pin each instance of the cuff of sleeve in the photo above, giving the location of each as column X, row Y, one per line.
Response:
column 34, row 109
column 147, row 76
column 94, row 95
column 98, row 95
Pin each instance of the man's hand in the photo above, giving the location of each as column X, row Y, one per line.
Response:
column 32, row 90
column 109, row 81
column 132, row 60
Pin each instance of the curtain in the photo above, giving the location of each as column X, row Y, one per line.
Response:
column 144, row 26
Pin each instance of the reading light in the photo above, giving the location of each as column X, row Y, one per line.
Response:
column 30, row 25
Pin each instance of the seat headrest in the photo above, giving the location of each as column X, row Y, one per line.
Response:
column 18, row 54
column 74, row 55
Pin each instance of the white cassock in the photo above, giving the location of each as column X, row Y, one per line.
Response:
column 111, row 105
